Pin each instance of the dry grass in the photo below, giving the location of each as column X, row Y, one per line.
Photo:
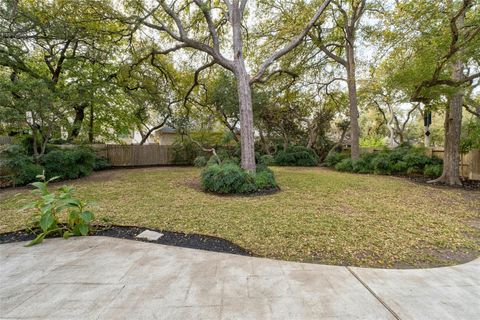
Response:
column 319, row 216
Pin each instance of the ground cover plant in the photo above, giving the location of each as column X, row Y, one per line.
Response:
column 320, row 215
column 403, row 160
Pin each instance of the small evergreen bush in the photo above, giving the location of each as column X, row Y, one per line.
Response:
column 297, row 156
column 333, row 158
column 364, row 164
column 265, row 179
column 229, row 178
column 267, row 160
column 433, row 170
column 69, row 163
column 101, row 163
column 346, row 165
column 200, row 162
column 15, row 161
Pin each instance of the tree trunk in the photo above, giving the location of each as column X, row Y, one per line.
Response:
column 247, row 141
column 352, row 99
column 77, row 122
column 453, row 125
column 244, row 90
column 90, row 124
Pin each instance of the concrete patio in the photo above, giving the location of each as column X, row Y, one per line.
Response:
column 107, row 278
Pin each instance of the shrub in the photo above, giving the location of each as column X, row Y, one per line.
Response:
column 213, row 160
column 200, row 162
column 267, row 160
column 101, row 163
column 225, row 178
column 345, row 165
column 334, row 157
column 364, row 164
column 297, row 156
column 265, row 179
column 69, row 163
column 382, row 165
column 229, row 178
column 49, row 205
column 433, row 170
column 28, row 173
column 15, row 161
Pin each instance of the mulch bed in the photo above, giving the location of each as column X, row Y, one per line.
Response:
column 194, row 241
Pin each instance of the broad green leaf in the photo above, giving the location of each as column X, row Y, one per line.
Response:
column 83, row 228
column 46, row 221
column 37, row 240
column 86, row 216
column 67, row 234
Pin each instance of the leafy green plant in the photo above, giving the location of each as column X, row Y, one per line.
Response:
column 229, row 178
column 297, row 156
column 101, row 163
column 69, row 163
column 49, row 206
column 334, row 157
column 267, row 160
column 265, row 179
column 345, row 165
column 15, row 161
column 433, row 170
column 200, row 162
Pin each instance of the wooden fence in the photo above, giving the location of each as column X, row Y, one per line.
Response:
column 136, row 155
column 469, row 162
column 6, row 140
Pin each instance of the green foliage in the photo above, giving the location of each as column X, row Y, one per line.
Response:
column 470, row 138
column 49, row 206
column 17, row 163
column 372, row 142
column 213, row 160
column 381, row 164
column 433, row 170
column 267, row 160
column 229, row 178
column 101, row 163
column 63, row 163
column 402, row 160
column 226, row 178
column 334, row 157
column 69, row 163
column 297, row 156
column 364, row 164
column 346, row 165
column 265, row 179
column 200, row 162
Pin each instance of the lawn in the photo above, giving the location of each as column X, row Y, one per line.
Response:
column 319, row 216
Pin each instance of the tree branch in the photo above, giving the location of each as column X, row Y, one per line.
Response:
column 292, row 45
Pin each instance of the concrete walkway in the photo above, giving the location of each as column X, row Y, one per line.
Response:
column 106, row 278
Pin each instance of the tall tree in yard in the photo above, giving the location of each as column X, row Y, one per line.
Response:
column 436, row 65
column 343, row 52
column 203, row 26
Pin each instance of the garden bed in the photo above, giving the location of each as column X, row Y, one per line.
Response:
column 193, row 241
